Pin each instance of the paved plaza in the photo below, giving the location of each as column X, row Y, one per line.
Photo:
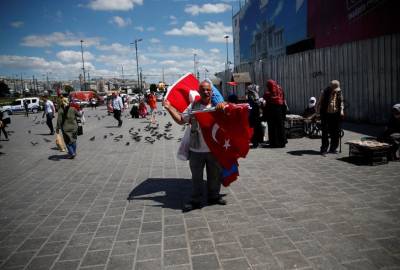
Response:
column 290, row 209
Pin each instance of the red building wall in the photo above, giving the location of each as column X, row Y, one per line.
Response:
column 333, row 22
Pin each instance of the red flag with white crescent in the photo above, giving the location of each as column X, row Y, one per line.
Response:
column 183, row 92
column 227, row 135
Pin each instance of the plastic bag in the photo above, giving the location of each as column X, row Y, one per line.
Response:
column 60, row 143
column 183, row 150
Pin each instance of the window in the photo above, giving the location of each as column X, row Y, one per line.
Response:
column 28, row 101
column 16, row 102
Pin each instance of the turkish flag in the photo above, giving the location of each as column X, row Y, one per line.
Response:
column 183, row 92
column 227, row 135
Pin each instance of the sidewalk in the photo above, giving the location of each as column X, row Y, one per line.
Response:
column 290, row 209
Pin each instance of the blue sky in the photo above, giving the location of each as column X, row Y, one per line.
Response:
column 40, row 37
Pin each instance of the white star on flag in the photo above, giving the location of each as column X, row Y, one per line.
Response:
column 226, row 145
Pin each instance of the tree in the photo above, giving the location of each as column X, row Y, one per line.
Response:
column 153, row 87
column 68, row 88
column 4, row 89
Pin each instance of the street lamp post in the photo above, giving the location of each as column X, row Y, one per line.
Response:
column 226, row 64
column 83, row 68
column 137, row 62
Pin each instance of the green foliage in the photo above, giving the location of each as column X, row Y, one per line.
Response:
column 68, row 88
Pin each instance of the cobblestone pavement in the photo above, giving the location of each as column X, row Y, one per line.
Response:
column 290, row 209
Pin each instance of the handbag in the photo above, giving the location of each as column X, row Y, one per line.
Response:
column 60, row 143
column 80, row 127
column 183, row 150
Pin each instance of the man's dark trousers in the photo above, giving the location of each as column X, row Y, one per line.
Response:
column 330, row 123
column 117, row 115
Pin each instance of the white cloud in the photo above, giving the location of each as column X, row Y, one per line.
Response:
column 66, row 39
column 17, row 24
column 173, row 19
column 214, row 31
column 154, row 40
column 139, row 28
column 120, row 22
column 207, row 8
column 38, row 64
column 151, row 28
column 74, row 56
column 111, row 5
column 115, row 48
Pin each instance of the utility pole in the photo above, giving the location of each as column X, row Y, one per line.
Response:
column 163, row 75
column 226, row 64
column 123, row 80
column 194, row 63
column 137, row 61
column 141, row 82
column 83, row 68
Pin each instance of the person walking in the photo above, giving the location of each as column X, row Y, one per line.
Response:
column 275, row 114
column 93, row 103
column 26, row 107
column 67, row 123
column 49, row 111
column 152, row 101
column 118, row 106
column 200, row 156
column 4, row 121
column 331, row 110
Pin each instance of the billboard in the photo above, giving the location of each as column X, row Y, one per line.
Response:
column 268, row 26
column 341, row 21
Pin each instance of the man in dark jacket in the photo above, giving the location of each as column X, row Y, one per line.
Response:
column 331, row 109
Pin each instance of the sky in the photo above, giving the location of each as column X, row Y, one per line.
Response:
column 42, row 37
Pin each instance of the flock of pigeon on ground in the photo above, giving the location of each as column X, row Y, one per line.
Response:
column 151, row 132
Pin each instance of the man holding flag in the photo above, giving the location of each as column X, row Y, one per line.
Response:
column 200, row 155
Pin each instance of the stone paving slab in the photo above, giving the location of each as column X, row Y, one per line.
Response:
column 290, row 209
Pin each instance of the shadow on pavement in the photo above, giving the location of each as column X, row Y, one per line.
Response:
column 112, row 126
column 58, row 157
column 358, row 161
column 169, row 192
column 304, row 152
column 44, row 134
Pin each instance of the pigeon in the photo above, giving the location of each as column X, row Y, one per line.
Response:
column 1, row 153
column 88, row 116
column 165, row 113
column 34, row 143
column 127, row 143
column 103, row 116
column 46, row 140
column 138, row 130
column 168, row 137
column 1, row 146
column 179, row 139
column 149, row 139
column 29, row 131
column 98, row 118
column 105, row 137
column 111, row 134
column 93, row 138
column 119, row 137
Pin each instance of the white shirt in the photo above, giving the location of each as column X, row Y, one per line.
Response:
column 48, row 106
column 117, row 103
column 186, row 117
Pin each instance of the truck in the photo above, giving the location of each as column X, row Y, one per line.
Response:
column 82, row 97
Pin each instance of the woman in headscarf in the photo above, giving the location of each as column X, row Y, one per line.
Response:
column 254, row 115
column 67, row 122
column 391, row 134
column 275, row 114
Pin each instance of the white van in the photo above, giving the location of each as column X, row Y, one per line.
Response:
column 18, row 105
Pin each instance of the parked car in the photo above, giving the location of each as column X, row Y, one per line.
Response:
column 18, row 105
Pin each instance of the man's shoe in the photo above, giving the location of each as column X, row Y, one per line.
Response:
column 323, row 153
column 219, row 201
column 333, row 152
column 187, row 207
